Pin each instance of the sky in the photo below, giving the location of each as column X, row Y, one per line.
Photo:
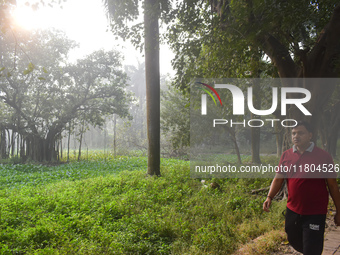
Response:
column 85, row 22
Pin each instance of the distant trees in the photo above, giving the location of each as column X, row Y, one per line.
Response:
column 136, row 76
column 175, row 120
column 42, row 95
column 131, row 134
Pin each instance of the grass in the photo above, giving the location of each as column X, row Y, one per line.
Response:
column 111, row 207
column 19, row 175
column 263, row 244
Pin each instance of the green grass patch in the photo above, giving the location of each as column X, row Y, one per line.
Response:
column 20, row 175
column 109, row 209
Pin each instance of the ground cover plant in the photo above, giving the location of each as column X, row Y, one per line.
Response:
column 19, row 175
column 110, row 206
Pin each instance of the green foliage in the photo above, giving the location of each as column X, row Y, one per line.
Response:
column 229, row 38
column 129, row 213
column 125, row 18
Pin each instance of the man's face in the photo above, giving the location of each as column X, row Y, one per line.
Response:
column 301, row 137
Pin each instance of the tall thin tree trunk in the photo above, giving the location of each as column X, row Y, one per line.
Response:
column 68, row 142
column 279, row 139
column 57, row 149
column 18, row 144
column 13, row 144
column 256, row 99
column 2, row 142
column 105, row 139
column 255, row 142
column 114, row 136
column 152, row 78
column 232, row 133
column 23, row 153
column 61, row 147
column 9, row 142
column 256, row 131
column 81, row 140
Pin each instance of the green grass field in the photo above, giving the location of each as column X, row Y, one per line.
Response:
column 110, row 206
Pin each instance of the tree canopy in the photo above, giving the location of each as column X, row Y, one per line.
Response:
column 41, row 93
column 256, row 38
column 223, row 37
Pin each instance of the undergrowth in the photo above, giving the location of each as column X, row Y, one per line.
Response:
column 113, row 207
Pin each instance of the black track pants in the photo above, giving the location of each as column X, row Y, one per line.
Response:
column 305, row 232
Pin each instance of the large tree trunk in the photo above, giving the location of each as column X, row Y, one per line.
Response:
column 152, row 78
column 39, row 149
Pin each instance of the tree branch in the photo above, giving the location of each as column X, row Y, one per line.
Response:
column 321, row 60
column 280, row 57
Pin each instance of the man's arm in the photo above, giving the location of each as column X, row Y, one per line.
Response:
column 335, row 194
column 274, row 188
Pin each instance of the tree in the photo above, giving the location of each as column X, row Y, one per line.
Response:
column 152, row 80
column 121, row 11
column 299, row 38
column 255, row 131
column 43, row 93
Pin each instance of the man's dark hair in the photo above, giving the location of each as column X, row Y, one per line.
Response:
column 306, row 125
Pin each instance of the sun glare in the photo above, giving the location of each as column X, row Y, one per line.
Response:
column 29, row 19
column 84, row 22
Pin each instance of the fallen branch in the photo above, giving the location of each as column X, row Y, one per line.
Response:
column 256, row 191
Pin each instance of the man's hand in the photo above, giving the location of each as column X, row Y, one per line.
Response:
column 274, row 188
column 337, row 219
column 267, row 204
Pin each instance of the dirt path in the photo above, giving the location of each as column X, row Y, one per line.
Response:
column 272, row 238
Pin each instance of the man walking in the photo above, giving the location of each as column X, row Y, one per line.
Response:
column 311, row 177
